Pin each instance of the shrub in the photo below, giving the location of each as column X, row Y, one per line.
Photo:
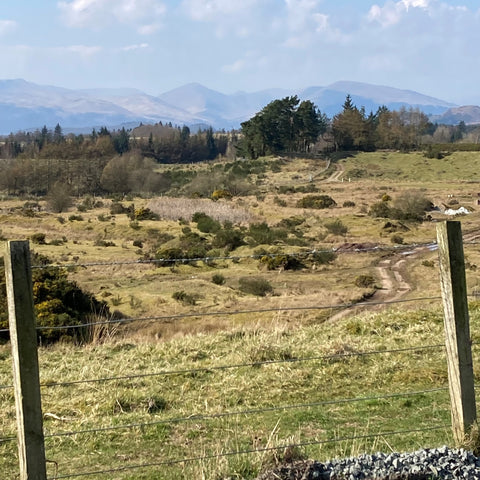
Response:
column 396, row 238
column 291, row 222
column 103, row 243
column 145, row 214
column 322, row 258
column 218, row 194
column 218, row 279
column 380, row 209
column 58, row 302
column 184, row 297
column 167, row 256
column 365, row 281
column 255, row 286
column 228, row 238
column 117, row 208
column 285, row 262
column 138, row 243
column 59, row 198
column 205, row 223
column 280, row 202
column 428, row 263
column 316, row 201
column 38, row 238
column 337, row 227
column 413, row 204
column 386, row 197
column 134, row 225
column 261, row 233
column 348, row 203
column 75, row 218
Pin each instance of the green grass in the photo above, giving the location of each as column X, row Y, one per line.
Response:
column 413, row 167
column 209, row 391
column 208, row 342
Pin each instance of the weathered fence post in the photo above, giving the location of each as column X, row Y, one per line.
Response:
column 31, row 447
column 457, row 328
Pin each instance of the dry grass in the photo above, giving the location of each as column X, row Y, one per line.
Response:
column 184, row 208
column 207, row 391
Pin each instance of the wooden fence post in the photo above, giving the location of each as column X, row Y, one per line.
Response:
column 23, row 336
column 457, row 328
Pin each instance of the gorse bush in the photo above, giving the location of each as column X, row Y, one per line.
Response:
column 316, row 201
column 58, row 302
column 283, row 262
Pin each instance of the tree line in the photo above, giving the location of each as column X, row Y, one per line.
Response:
column 123, row 161
column 288, row 126
column 170, row 145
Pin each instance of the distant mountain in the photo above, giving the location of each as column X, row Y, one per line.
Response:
column 371, row 97
column 27, row 106
column 470, row 114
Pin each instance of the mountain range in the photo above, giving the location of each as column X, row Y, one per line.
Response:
column 28, row 106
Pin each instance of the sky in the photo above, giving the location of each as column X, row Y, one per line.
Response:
column 430, row 46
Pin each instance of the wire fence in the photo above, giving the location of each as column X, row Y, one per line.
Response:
column 246, row 412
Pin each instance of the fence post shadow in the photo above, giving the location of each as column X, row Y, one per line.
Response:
column 23, row 338
column 457, row 329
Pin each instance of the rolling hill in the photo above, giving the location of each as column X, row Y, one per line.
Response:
column 28, row 106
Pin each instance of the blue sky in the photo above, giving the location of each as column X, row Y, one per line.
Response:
column 431, row 46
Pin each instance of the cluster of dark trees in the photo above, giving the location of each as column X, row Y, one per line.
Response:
column 103, row 162
column 282, row 126
column 171, row 145
column 288, row 126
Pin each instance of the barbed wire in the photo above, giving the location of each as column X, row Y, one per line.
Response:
column 235, row 312
column 245, row 365
column 251, row 451
column 7, row 439
column 256, row 411
column 237, row 366
column 343, row 249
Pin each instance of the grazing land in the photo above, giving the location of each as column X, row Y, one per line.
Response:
column 183, row 283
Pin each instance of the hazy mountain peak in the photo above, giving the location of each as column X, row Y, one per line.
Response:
column 26, row 105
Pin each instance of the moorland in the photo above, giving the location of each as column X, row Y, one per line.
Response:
column 211, row 304
column 180, row 270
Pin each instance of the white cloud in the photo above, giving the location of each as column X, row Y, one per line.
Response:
column 415, row 3
column 213, row 10
column 140, row 46
column 144, row 15
column 7, row 26
column 307, row 25
column 235, row 67
column 393, row 12
column 83, row 51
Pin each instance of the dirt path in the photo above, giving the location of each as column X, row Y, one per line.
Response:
column 337, row 175
column 393, row 279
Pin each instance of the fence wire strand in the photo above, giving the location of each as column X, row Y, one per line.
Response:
column 255, row 411
column 249, row 452
column 235, row 312
column 153, row 261
column 244, row 365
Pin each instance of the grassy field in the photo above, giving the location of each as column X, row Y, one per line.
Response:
column 182, row 415
column 184, row 412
